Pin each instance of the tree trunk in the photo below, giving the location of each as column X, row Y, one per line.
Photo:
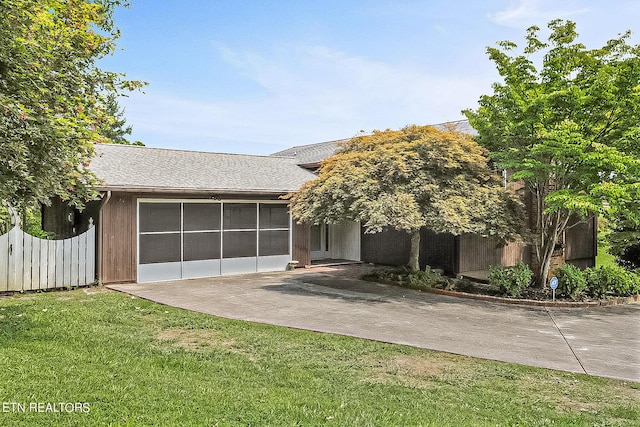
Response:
column 548, row 239
column 414, row 255
column 544, row 263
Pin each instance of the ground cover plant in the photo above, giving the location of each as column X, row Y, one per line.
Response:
column 135, row 363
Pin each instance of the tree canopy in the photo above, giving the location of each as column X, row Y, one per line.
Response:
column 53, row 96
column 565, row 121
column 115, row 128
column 407, row 179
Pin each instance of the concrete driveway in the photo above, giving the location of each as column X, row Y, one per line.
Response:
column 602, row 341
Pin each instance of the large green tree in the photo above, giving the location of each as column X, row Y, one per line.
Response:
column 53, row 96
column 565, row 120
column 408, row 179
column 115, row 129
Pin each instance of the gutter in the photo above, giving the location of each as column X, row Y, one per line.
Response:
column 207, row 192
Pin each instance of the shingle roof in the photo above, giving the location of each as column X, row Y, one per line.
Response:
column 135, row 168
column 461, row 126
column 313, row 154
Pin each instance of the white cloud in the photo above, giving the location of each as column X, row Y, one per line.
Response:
column 524, row 13
column 310, row 94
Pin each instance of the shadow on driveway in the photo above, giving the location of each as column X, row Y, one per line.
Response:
column 599, row 341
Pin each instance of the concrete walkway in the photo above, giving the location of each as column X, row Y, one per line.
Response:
column 602, row 341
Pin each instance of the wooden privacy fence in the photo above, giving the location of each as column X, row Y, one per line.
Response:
column 29, row 263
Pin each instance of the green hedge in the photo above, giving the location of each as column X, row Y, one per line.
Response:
column 600, row 282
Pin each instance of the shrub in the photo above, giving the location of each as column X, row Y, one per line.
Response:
column 611, row 281
column 403, row 276
column 571, row 280
column 511, row 280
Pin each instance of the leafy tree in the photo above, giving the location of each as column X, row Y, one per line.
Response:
column 115, row 129
column 408, row 179
column 624, row 238
column 565, row 121
column 52, row 96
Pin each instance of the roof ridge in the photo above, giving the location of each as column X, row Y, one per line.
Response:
column 316, row 143
column 174, row 150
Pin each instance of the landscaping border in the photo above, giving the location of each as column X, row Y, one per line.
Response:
column 538, row 303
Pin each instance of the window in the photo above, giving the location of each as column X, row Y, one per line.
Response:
column 240, row 223
column 274, row 230
column 274, row 242
column 160, row 233
column 159, row 248
column 201, row 246
column 159, row 217
column 238, row 216
column 201, row 216
column 239, row 244
column 274, row 216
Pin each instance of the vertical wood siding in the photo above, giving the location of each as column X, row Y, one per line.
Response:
column 480, row 253
column 117, row 239
column 390, row 247
column 581, row 242
column 301, row 244
column 438, row 250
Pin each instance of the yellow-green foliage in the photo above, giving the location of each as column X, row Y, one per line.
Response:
column 53, row 96
column 409, row 178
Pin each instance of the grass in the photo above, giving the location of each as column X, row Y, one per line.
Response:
column 135, row 363
column 604, row 258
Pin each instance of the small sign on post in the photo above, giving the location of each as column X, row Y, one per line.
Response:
column 553, row 284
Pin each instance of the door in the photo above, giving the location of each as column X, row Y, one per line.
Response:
column 200, row 238
column 319, row 242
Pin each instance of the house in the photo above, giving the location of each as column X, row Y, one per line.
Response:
column 176, row 214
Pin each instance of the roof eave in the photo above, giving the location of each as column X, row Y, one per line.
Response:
column 195, row 191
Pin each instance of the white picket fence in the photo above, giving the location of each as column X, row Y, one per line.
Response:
column 29, row 263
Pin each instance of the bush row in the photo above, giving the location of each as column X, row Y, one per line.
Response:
column 600, row 282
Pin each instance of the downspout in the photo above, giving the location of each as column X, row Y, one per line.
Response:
column 105, row 201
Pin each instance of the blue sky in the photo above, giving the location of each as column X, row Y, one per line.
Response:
column 251, row 76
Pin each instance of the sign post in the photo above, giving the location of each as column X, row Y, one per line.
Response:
column 553, row 284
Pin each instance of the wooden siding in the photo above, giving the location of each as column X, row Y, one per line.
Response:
column 301, row 243
column 581, row 244
column 117, row 243
column 390, row 247
column 480, row 253
column 513, row 253
column 438, row 250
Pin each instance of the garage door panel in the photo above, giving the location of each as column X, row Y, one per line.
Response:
column 159, row 217
column 158, row 272
column 238, row 244
column 201, row 246
column 189, row 239
column 204, row 268
column 239, row 265
column 159, row 248
column 273, row 263
column 201, row 216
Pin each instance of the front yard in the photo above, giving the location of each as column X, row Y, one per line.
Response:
column 96, row 357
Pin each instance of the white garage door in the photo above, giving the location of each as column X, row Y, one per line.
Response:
column 187, row 239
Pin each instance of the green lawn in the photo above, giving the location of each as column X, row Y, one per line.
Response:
column 135, row 363
column 604, row 258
